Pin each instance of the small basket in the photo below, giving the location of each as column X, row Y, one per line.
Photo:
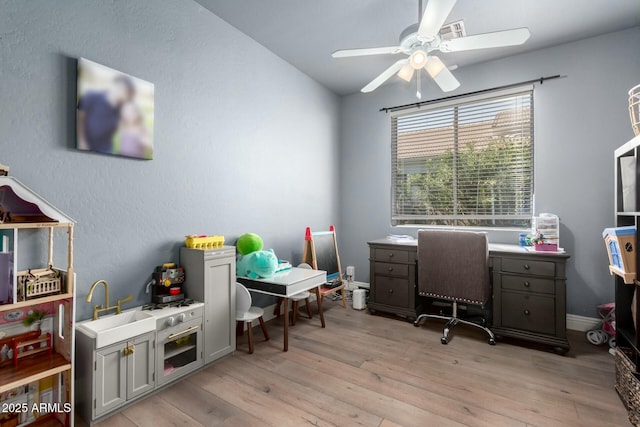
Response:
column 634, row 109
column 628, row 385
column 546, row 247
column 38, row 283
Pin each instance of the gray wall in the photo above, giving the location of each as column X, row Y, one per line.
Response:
column 240, row 135
column 579, row 121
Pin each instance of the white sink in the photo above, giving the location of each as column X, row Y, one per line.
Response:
column 115, row 328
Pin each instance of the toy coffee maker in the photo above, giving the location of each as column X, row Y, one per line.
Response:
column 168, row 280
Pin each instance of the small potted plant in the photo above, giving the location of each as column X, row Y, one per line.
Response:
column 34, row 319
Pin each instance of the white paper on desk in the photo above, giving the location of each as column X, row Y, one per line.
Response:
column 400, row 237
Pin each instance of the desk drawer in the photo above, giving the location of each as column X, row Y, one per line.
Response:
column 535, row 313
column 392, row 269
column 391, row 291
column 527, row 266
column 392, row 255
column 529, row 284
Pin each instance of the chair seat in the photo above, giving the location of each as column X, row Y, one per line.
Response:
column 253, row 314
column 301, row 296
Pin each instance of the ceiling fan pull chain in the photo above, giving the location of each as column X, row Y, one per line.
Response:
column 419, row 81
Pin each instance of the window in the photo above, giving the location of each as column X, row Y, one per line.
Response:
column 465, row 162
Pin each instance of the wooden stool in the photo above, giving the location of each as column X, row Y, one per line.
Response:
column 246, row 314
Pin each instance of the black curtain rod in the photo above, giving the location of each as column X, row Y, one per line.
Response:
column 541, row 80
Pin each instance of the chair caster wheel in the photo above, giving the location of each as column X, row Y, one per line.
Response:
column 444, row 341
column 416, row 324
column 492, row 341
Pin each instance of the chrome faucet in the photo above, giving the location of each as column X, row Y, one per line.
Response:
column 97, row 309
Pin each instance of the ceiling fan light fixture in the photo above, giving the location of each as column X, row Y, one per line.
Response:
column 434, row 66
column 418, row 59
column 406, row 72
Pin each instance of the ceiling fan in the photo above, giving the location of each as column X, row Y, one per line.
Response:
column 419, row 41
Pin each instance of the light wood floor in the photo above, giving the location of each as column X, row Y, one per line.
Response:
column 379, row 371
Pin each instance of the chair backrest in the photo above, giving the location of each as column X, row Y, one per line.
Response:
column 454, row 265
column 305, row 266
column 243, row 299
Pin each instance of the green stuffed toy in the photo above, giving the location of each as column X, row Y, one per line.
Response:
column 253, row 262
column 257, row 264
column 248, row 243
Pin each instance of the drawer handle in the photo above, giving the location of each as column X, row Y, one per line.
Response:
column 527, row 284
column 527, row 267
column 527, row 312
column 390, row 269
column 390, row 254
column 390, row 291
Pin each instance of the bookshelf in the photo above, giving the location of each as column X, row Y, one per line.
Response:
column 627, row 213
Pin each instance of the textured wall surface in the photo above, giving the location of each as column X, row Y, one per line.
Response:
column 579, row 121
column 243, row 140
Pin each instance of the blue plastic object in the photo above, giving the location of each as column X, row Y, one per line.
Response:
column 614, row 247
column 619, row 231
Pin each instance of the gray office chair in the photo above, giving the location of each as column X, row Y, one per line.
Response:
column 454, row 266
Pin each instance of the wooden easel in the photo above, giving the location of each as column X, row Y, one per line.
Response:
column 321, row 253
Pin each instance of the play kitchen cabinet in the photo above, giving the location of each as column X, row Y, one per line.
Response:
column 110, row 376
column 179, row 347
column 529, row 289
column 36, row 366
column 123, row 372
column 122, row 357
column 210, row 278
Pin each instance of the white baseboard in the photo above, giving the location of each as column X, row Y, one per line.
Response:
column 268, row 312
column 582, row 323
column 574, row 322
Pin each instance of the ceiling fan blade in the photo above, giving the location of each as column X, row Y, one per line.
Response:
column 441, row 74
column 346, row 53
column 384, row 76
column 483, row 41
column 434, row 16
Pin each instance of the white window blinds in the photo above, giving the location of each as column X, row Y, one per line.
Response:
column 466, row 162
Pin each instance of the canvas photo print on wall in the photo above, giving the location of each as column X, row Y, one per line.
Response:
column 114, row 112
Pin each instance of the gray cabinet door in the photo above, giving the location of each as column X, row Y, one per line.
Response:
column 141, row 366
column 110, row 379
column 219, row 316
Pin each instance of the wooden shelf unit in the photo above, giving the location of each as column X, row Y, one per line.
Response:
column 36, row 301
column 32, row 369
column 59, row 363
column 625, row 326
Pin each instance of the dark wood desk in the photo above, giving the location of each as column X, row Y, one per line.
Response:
column 529, row 289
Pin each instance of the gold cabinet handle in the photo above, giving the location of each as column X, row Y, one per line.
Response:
column 186, row 331
column 129, row 350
